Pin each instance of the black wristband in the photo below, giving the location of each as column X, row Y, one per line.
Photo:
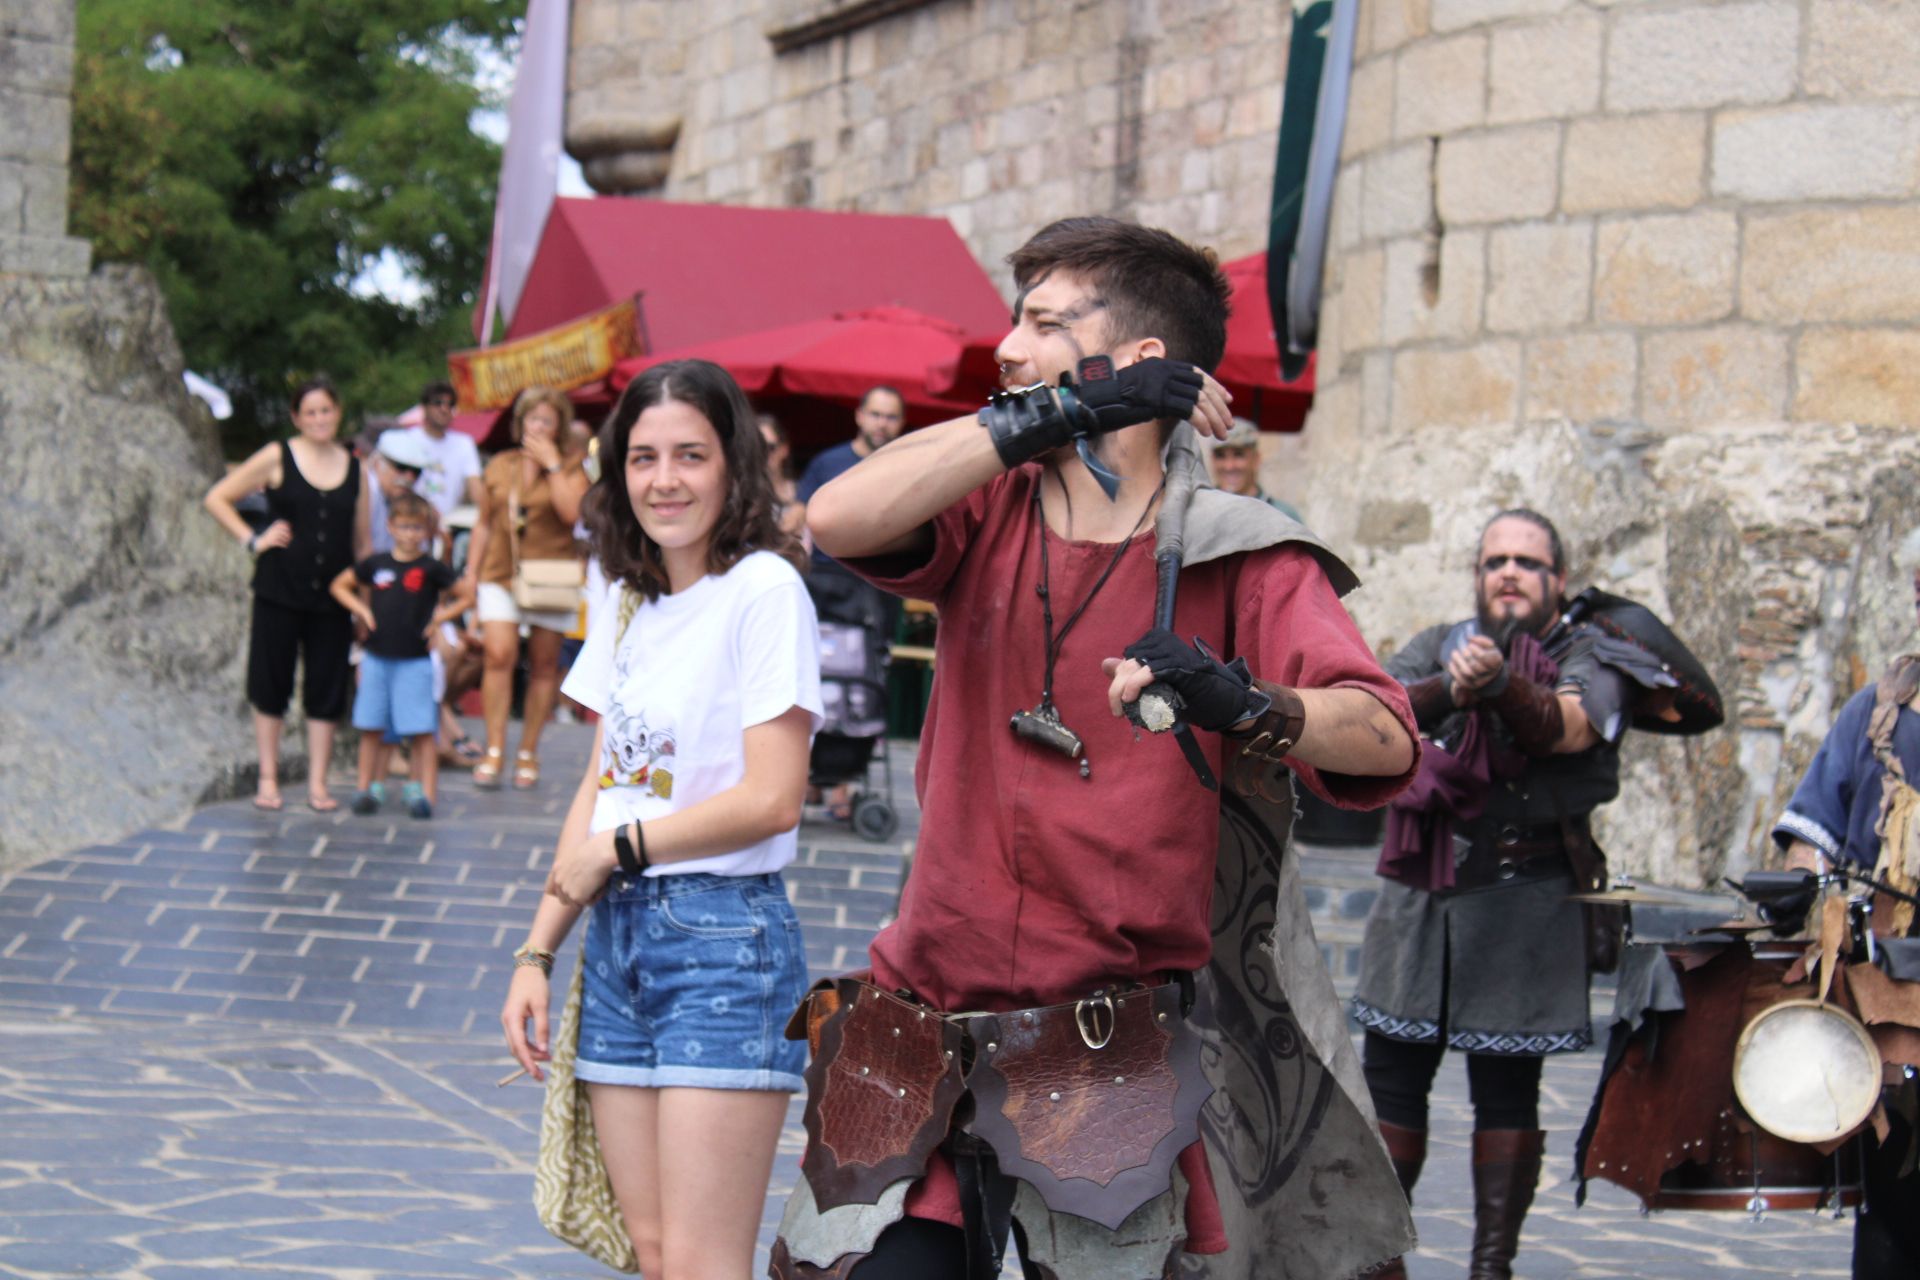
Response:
column 640, row 844
column 623, row 850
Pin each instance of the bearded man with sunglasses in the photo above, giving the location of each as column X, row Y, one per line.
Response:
column 1473, row 943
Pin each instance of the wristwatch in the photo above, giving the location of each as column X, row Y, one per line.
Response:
column 528, row 954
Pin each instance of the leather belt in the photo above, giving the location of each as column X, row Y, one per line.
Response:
column 1089, row 1102
column 1509, row 854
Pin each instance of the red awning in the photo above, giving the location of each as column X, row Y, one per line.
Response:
column 707, row 272
column 841, row 357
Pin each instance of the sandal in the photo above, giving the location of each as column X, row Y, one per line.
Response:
column 321, row 802
column 526, row 771
column 486, row 774
column 269, row 803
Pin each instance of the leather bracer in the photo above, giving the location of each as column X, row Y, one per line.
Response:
column 1432, row 700
column 1276, row 731
column 1034, row 420
column 1532, row 715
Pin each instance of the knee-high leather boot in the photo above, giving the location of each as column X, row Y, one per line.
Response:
column 1407, row 1148
column 1506, row 1167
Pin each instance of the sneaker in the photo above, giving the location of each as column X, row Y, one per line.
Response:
column 365, row 802
column 417, row 804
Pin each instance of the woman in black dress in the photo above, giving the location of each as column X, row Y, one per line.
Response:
column 317, row 495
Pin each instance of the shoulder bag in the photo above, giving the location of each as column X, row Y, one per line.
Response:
column 541, row 586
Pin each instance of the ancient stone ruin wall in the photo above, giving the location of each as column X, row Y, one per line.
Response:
column 123, row 610
column 1653, row 268
column 999, row 115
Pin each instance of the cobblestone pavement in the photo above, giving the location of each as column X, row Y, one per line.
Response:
column 264, row 1046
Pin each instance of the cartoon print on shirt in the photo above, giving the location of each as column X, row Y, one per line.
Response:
column 633, row 756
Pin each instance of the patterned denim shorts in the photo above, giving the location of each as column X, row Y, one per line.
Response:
column 689, row 982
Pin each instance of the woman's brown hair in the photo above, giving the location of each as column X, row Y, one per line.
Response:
column 746, row 521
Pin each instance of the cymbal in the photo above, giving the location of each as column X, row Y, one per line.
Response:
column 1648, row 897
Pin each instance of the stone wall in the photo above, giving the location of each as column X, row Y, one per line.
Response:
column 36, row 79
column 123, row 610
column 1652, row 268
column 999, row 115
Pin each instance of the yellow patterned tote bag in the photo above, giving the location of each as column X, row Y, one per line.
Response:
column 570, row 1188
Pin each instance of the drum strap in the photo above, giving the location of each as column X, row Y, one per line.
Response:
column 1898, row 825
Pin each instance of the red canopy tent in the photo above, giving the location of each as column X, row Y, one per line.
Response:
column 838, row 359
column 1250, row 369
column 707, row 272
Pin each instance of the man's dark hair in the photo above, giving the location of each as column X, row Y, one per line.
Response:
column 883, row 389
column 441, row 388
column 410, row 506
column 746, row 522
column 1540, row 522
column 1153, row 284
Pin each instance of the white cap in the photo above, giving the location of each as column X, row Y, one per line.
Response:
column 402, row 448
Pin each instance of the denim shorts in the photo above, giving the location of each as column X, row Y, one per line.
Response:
column 689, row 980
column 396, row 694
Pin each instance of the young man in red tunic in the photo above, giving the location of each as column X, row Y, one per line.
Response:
column 1045, row 879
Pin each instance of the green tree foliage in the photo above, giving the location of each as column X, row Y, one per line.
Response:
column 260, row 155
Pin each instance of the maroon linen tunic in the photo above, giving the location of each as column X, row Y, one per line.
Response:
column 1030, row 885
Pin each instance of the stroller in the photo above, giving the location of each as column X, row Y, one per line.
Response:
column 853, row 693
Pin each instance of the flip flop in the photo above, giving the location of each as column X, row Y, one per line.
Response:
column 322, row 804
column 269, row 804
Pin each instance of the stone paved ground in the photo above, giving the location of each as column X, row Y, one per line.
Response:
column 264, row 1046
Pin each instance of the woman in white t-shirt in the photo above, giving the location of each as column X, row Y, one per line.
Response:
column 705, row 673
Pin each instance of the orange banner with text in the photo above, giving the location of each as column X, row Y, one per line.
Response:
column 563, row 357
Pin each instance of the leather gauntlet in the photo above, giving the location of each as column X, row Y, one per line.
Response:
column 1275, row 732
column 1532, row 715
column 1432, row 700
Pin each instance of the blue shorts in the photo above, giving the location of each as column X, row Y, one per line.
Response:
column 396, row 694
column 689, row 982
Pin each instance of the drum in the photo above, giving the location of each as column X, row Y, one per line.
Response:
column 1806, row 1071
column 1667, row 1124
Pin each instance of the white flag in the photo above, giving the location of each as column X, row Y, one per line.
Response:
column 530, row 166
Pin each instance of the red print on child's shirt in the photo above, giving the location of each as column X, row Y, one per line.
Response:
column 415, row 580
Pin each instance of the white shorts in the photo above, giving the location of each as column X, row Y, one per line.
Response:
column 495, row 604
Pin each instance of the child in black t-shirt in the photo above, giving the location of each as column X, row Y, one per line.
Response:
column 397, row 596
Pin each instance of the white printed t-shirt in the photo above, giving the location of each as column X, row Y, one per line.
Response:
column 452, row 460
column 694, row 671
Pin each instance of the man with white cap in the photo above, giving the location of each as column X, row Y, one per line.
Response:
column 1235, row 462
column 398, row 460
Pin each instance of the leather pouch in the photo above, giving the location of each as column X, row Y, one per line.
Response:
column 1090, row 1103
column 881, row 1090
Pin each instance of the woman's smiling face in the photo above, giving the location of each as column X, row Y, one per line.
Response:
column 676, row 476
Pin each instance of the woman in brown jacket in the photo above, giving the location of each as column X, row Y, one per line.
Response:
column 544, row 481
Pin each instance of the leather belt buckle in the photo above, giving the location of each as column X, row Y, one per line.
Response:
column 1086, row 1017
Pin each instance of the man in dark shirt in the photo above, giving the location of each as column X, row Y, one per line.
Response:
column 881, row 415
column 1473, row 944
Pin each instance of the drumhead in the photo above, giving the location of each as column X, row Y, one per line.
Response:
column 1806, row 1071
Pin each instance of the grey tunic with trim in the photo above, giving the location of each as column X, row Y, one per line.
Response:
column 1501, row 969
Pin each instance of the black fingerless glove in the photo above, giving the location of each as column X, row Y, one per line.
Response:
column 1037, row 420
column 1217, row 694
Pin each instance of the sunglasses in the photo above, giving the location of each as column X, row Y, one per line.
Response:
column 1494, row 564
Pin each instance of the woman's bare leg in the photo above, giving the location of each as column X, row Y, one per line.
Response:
column 319, row 756
column 689, row 1169
column 266, row 742
column 716, row 1157
column 502, row 640
column 543, row 685
column 627, row 1121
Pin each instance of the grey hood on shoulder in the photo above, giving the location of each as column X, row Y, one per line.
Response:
column 1223, row 524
